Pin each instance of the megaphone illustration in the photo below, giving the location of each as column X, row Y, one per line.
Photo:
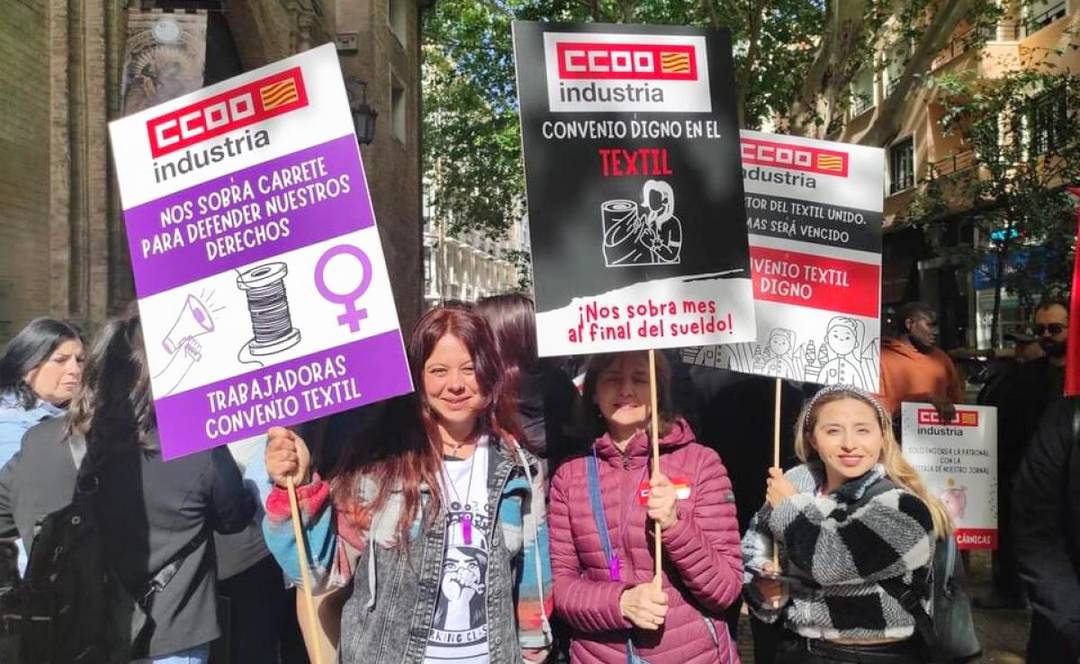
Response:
column 194, row 320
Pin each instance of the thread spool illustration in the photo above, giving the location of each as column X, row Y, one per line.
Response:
column 268, row 307
column 620, row 219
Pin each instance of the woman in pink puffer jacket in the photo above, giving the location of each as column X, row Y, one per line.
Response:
column 613, row 609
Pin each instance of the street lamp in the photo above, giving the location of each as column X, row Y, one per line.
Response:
column 362, row 114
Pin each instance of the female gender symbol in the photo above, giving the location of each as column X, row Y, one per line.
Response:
column 352, row 315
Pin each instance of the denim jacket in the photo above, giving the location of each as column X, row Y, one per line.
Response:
column 388, row 616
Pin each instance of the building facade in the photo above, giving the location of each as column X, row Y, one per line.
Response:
column 1027, row 36
column 469, row 266
column 68, row 65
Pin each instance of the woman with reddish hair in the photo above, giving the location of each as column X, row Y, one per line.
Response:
column 604, row 504
column 435, row 516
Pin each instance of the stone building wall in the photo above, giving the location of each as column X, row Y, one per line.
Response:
column 24, row 162
column 63, row 251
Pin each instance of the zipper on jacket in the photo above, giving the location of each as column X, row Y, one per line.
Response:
column 625, row 513
column 496, row 523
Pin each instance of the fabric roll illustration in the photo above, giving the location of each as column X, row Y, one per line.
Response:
column 621, row 231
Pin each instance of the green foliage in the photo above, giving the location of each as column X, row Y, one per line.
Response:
column 1020, row 133
column 471, row 137
column 471, row 140
column 522, row 262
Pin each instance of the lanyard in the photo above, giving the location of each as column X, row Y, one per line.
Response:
column 596, row 497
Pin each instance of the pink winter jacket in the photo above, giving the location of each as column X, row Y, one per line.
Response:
column 702, row 566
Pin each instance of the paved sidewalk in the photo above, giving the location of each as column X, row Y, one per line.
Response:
column 1003, row 633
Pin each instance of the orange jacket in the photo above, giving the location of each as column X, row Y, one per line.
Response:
column 908, row 375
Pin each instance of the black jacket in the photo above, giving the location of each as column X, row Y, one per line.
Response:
column 737, row 421
column 1046, row 511
column 547, row 400
column 1021, row 399
column 148, row 510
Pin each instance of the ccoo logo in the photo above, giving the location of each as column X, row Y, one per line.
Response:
column 794, row 157
column 234, row 109
column 621, row 72
column 962, row 418
column 607, row 61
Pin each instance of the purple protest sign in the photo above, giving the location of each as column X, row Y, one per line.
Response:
column 296, row 391
column 262, row 285
column 310, row 195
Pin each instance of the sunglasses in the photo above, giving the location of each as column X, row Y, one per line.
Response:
column 1053, row 328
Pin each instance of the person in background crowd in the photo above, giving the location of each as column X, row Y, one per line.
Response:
column 40, row 373
column 546, row 397
column 836, row 544
column 1007, row 589
column 1027, row 345
column 605, row 592
column 1000, row 370
column 148, row 510
column 737, row 421
column 1021, row 402
column 914, row 369
column 436, row 519
column 1046, row 531
column 250, row 583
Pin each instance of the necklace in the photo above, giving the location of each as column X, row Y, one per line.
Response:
column 454, row 450
column 468, row 440
column 466, row 517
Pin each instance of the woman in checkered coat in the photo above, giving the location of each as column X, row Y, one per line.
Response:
column 840, row 534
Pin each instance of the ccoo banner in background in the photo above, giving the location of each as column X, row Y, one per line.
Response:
column 958, row 462
column 813, row 214
column 258, row 268
column 634, row 189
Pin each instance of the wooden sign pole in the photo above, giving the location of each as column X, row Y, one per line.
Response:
column 776, row 463
column 655, row 458
column 305, row 574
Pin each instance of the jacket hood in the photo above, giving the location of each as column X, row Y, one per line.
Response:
column 640, row 446
column 901, row 347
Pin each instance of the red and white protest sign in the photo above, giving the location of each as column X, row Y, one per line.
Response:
column 958, row 462
column 813, row 216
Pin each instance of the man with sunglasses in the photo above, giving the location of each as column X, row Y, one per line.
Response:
column 1052, row 328
column 1021, row 401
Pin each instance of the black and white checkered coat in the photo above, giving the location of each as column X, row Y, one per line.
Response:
column 843, row 550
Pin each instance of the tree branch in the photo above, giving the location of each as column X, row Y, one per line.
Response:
column 884, row 124
column 709, row 7
column 829, row 73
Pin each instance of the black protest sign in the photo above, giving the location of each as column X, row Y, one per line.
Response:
column 634, row 186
